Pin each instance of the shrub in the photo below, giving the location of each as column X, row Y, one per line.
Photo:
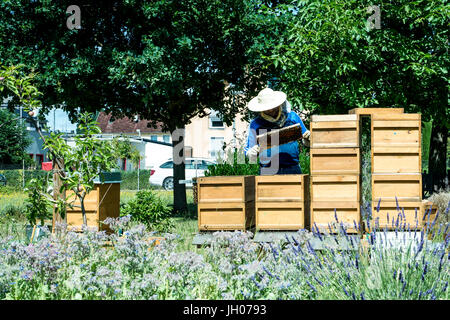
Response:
column 304, row 160
column 11, row 211
column 37, row 205
column 129, row 180
column 442, row 202
column 233, row 167
column 149, row 209
column 15, row 177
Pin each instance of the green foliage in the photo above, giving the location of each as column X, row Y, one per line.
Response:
column 123, row 148
column 304, row 160
column 426, row 135
column 236, row 164
column 129, row 180
column 38, row 204
column 13, row 138
column 329, row 61
column 150, row 210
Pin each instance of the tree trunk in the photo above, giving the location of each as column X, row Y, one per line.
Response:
column 179, row 190
column 83, row 212
column 437, row 161
column 57, row 218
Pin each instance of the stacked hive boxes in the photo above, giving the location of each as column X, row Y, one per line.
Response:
column 281, row 201
column 335, row 172
column 396, row 170
column 226, row 202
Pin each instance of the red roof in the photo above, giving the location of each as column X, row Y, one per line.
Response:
column 125, row 125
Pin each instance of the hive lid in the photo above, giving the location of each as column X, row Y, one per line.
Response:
column 108, row 177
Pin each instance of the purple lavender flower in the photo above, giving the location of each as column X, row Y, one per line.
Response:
column 425, row 270
column 378, row 205
column 312, row 287
column 345, row 291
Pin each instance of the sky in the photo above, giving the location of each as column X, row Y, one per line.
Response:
column 59, row 120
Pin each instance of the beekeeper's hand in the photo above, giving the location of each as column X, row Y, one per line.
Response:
column 306, row 134
column 305, row 139
column 252, row 153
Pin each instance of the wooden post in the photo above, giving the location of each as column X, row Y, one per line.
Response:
column 58, row 166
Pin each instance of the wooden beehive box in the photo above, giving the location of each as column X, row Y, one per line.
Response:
column 396, row 159
column 396, row 143
column 339, row 188
column 409, row 215
column 335, row 131
column 101, row 203
column 225, row 189
column 281, row 201
column 226, row 202
column 323, row 216
column 404, row 187
column 396, row 130
column 335, row 161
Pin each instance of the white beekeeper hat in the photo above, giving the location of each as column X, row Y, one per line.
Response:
column 266, row 99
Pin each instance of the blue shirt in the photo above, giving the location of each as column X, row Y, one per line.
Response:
column 288, row 152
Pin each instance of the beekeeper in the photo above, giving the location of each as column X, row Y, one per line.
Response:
column 273, row 111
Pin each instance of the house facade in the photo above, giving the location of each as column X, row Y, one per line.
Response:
column 204, row 137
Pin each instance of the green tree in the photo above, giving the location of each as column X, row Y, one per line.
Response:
column 14, row 139
column 330, row 60
column 123, row 148
column 163, row 60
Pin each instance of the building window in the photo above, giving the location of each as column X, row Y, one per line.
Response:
column 166, row 138
column 215, row 149
column 215, row 121
column 154, row 138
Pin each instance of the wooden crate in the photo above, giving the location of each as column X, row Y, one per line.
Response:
column 396, row 130
column 408, row 214
column 406, row 187
column 102, row 202
column 371, row 111
column 332, row 161
column 281, row 216
column 331, row 188
column 281, row 188
column 396, row 159
column 222, row 189
column 323, row 216
column 281, row 201
column 226, row 215
column 335, row 131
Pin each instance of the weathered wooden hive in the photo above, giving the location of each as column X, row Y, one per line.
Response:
column 281, row 201
column 101, row 203
column 226, row 202
column 335, row 173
